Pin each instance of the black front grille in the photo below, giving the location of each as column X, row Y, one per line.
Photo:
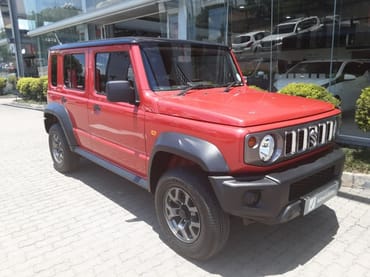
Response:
column 310, row 183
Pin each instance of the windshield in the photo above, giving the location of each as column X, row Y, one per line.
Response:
column 173, row 66
column 284, row 29
column 316, row 67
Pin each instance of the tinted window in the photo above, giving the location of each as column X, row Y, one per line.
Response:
column 74, row 71
column 110, row 66
column 54, row 68
column 171, row 67
column 316, row 67
column 354, row 68
column 284, row 29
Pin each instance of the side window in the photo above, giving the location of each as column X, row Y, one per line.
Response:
column 54, row 69
column 353, row 68
column 110, row 66
column 74, row 71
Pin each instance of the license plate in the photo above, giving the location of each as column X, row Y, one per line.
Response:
column 318, row 197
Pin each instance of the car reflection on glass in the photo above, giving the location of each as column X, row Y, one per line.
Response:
column 288, row 29
column 248, row 42
column 346, row 81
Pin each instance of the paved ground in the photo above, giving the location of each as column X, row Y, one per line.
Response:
column 93, row 223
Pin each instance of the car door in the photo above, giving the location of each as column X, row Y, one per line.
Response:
column 348, row 87
column 68, row 87
column 117, row 129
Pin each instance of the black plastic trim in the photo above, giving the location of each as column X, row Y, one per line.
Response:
column 113, row 168
column 274, row 205
column 202, row 152
column 60, row 112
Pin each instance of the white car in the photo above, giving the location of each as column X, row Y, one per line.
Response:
column 248, row 41
column 288, row 29
column 347, row 80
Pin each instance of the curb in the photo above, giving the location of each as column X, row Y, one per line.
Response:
column 356, row 180
column 37, row 107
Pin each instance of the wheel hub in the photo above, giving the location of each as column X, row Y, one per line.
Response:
column 182, row 215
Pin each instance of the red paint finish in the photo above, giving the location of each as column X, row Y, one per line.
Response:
column 125, row 134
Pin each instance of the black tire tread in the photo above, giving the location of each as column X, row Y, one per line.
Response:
column 195, row 182
column 70, row 159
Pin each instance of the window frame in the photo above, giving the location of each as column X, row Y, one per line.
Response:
column 85, row 65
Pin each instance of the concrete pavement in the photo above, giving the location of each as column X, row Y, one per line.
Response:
column 94, row 223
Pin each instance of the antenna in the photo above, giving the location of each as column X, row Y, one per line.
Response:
column 57, row 38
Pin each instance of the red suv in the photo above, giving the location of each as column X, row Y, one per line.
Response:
column 176, row 118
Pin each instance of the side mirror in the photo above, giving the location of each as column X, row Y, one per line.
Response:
column 349, row 77
column 120, row 91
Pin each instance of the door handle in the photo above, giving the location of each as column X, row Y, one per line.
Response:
column 96, row 108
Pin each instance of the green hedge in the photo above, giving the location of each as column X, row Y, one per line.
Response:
column 257, row 88
column 310, row 91
column 2, row 84
column 362, row 115
column 33, row 88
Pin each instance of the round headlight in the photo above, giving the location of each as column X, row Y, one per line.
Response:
column 267, row 147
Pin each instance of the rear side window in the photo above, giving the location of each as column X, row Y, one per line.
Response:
column 74, row 71
column 54, row 70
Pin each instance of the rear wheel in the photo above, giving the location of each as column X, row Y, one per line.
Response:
column 191, row 220
column 64, row 159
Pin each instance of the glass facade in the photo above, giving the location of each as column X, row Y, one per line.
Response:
column 276, row 42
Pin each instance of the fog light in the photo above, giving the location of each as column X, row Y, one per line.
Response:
column 251, row 198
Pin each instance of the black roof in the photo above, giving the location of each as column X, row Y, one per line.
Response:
column 130, row 40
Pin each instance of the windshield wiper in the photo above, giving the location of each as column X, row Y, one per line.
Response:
column 231, row 84
column 200, row 85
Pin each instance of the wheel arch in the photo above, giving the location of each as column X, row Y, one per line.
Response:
column 173, row 149
column 56, row 113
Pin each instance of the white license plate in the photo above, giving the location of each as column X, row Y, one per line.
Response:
column 318, row 197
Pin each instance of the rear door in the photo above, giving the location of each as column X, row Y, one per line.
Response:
column 117, row 129
column 68, row 87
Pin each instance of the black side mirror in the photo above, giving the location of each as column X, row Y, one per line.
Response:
column 120, row 91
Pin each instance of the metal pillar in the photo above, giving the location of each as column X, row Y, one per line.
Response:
column 17, row 38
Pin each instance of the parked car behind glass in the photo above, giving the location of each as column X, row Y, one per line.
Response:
column 287, row 30
column 346, row 81
column 248, row 41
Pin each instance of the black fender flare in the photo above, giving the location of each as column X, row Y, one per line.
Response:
column 201, row 152
column 59, row 111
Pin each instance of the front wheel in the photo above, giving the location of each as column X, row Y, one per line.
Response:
column 191, row 220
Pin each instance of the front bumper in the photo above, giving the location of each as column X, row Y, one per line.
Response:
column 282, row 195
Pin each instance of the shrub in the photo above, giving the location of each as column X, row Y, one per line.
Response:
column 312, row 91
column 362, row 115
column 2, row 85
column 23, row 86
column 257, row 88
column 44, row 81
column 32, row 88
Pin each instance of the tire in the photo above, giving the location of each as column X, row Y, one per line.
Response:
column 191, row 220
column 63, row 158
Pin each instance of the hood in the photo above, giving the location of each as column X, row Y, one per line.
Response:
column 242, row 107
column 280, row 83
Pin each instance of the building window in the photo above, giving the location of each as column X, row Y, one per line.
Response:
column 74, row 71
